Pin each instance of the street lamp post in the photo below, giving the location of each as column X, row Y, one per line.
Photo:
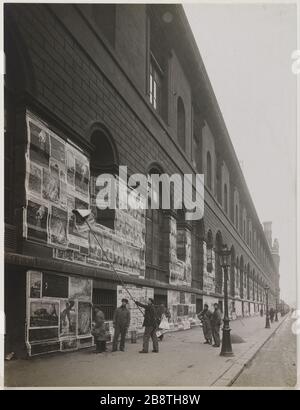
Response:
column 226, row 349
column 267, row 308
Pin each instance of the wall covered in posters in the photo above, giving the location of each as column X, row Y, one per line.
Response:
column 180, row 270
column 57, row 181
column 182, row 306
column 59, row 312
column 141, row 294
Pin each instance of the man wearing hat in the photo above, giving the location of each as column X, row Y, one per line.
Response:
column 151, row 325
column 121, row 322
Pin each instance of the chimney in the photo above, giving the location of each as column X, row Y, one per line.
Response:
column 268, row 232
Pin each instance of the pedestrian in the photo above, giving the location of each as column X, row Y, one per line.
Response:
column 121, row 321
column 99, row 331
column 272, row 313
column 164, row 317
column 261, row 312
column 216, row 324
column 205, row 316
column 151, row 325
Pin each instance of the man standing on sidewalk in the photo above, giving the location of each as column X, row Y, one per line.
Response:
column 121, row 322
column 151, row 325
column 216, row 321
column 205, row 317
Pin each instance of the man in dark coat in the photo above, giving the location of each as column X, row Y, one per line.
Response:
column 121, row 322
column 99, row 331
column 151, row 325
column 216, row 321
column 205, row 317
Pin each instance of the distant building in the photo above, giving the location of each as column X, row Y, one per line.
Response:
column 88, row 88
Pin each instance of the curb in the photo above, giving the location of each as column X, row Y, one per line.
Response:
column 231, row 374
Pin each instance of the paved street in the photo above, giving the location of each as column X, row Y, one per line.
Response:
column 183, row 361
column 275, row 364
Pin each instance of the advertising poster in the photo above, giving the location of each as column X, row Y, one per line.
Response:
column 51, row 184
column 35, row 179
column 39, row 148
column 43, row 314
column 70, row 163
column 36, row 221
column 80, row 288
column 84, row 318
column 58, row 149
column 58, row 226
column 68, row 318
column 82, row 175
column 78, row 230
column 35, row 284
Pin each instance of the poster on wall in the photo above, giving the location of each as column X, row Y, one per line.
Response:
column 68, row 318
column 57, row 149
column 36, row 221
column 55, row 286
column 80, row 288
column 43, row 313
column 39, row 144
column 78, row 234
column 35, row 179
column 82, row 175
column 84, row 318
column 58, row 226
column 35, row 284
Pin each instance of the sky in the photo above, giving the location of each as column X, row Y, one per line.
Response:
column 246, row 49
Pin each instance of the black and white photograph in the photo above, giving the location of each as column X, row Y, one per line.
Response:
column 192, row 109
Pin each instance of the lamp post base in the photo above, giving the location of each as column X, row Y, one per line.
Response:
column 226, row 349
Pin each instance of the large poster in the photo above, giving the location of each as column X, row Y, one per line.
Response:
column 84, row 318
column 44, row 313
column 58, row 227
column 68, row 318
column 59, row 307
column 81, row 288
column 36, row 221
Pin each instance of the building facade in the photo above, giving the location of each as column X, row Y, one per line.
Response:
column 89, row 88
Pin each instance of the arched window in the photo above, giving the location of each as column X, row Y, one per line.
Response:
column 181, row 123
column 104, row 159
column 208, row 170
column 225, row 199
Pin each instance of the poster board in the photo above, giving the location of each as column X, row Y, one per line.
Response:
column 59, row 312
column 140, row 294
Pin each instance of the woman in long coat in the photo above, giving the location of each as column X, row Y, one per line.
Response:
column 99, row 331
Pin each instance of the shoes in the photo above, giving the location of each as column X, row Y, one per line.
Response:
column 142, row 351
column 206, row 343
column 216, row 345
column 155, row 351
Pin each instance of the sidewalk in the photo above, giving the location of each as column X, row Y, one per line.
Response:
column 183, row 360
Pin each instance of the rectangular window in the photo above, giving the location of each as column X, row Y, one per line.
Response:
column 155, row 85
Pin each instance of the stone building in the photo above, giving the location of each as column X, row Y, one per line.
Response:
column 89, row 88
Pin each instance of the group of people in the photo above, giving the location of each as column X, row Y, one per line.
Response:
column 155, row 323
column 211, row 323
